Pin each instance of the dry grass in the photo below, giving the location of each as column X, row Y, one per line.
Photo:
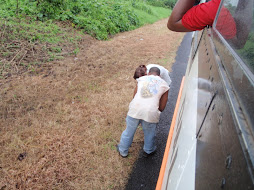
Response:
column 26, row 46
column 59, row 128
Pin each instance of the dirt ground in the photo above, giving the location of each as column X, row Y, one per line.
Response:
column 59, row 126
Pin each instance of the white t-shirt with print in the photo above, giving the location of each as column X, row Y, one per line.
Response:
column 164, row 73
column 145, row 104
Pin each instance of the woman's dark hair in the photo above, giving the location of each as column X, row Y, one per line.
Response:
column 140, row 71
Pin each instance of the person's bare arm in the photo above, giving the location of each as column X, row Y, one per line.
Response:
column 175, row 19
column 163, row 101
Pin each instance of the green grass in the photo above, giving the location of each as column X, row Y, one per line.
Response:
column 34, row 31
column 158, row 13
column 50, row 30
column 24, row 42
column 99, row 18
column 161, row 12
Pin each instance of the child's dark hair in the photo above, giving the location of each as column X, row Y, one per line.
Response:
column 155, row 70
column 140, row 71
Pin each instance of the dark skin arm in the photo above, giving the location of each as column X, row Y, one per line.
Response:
column 243, row 18
column 163, row 101
column 175, row 19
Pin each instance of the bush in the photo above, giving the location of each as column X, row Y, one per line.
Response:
column 100, row 18
column 163, row 3
column 247, row 53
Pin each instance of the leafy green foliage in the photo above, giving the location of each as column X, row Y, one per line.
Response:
column 247, row 52
column 163, row 3
column 99, row 18
column 31, row 34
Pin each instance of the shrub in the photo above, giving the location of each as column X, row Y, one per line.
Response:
column 163, row 3
column 100, row 18
column 247, row 53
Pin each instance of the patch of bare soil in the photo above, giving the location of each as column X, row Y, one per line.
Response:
column 59, row 127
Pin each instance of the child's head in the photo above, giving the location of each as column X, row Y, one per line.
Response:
column 140, row 71
column 154, row 71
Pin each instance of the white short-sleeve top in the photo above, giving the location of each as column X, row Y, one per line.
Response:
column 164, row 73
column 145, row 104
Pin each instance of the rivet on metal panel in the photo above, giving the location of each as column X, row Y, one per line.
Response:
column 220, row 119
column 213, row 107
column 223, row 183
column 228, row 162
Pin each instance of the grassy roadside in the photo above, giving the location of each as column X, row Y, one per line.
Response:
column 27, row 44
column 159, row 13
column 59, row 128
column 64, row 98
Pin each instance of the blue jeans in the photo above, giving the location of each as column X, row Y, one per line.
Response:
column 128, row 134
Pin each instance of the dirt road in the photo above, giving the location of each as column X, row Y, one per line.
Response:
column 59, row 125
